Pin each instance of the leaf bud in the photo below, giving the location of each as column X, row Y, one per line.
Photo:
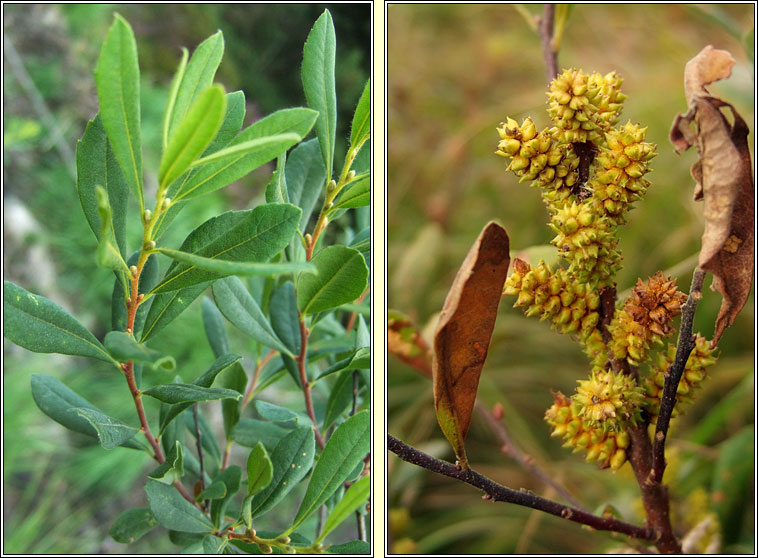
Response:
column 166, row 203
column 146, row 216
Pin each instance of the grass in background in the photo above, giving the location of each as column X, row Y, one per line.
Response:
column 454, row 73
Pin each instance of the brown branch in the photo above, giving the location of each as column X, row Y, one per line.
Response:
column 527, row 462
column 499, row 493
column 301, row 360
column 546, row 29
column 254, row 381
column 674, row 374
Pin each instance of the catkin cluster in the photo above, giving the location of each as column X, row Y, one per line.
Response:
column 590, row 170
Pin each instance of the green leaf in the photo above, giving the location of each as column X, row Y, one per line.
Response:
column 56, row 400
column 225, row 268
column 342, row 277
column 280, row 143
column 362, row 161
column 213, row 544
column 356, row 495
column 172, row 469
column 215, row 330
column 355, row 194
column 193, row 135
column 284, row 319
column 181, row 393
column 732, row 479
column 352, row 547
column 236, row 379
column 340, row 399
column 216, row 490
column 111, row 432
column 97, row 165
column 117, row 78
column 123, row 347
column 167, row 306
column 195, row 79
column 362, row 243
column 39, row 325
column 359, row 360
column 173, row 511
column 235, row 115
column 173, row 93
column 343, row 452
column 238, row 236
column 132, row 524
column 108, row 254
column 231, row 477
column 207, row 437
column 361, row 127
column 276, row 190
column 305, row 177
column 275, row 413
column 240, row 308
column 318, row 83
column 260, row 471
column 249, row 432
column 216, row 175
column 291, row 459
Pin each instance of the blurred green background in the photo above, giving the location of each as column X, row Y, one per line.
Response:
column 454, row 73
column 62, row 493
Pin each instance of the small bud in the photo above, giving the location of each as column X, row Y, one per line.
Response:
column 133, row 270
column 149, row 245
column 350, row 175
column 147, row 216
column 166, row 203
column 331, row 186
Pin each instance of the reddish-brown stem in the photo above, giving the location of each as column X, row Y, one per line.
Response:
column 354, row 315
column 301, row 360
column 137, row 396
column 254, row 381
column 655, row 497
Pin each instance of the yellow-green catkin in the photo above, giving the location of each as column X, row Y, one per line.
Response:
column 609, row 400
column 572, row 104
column 610, row 100
column 606, row 447
column 701, row 357
column 571, row 307
column 586, row 239
column 620, row 167
column 645, row 318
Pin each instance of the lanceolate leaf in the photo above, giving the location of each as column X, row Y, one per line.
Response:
column 123, row 347
column 167, row 306
column 225, row 267
column 204, row 381
column 181, row 393
column 356, row 495
column 117, row 79
column 259, row 470
column 318, row 83
column 343, row 452
column 172, row 469
column 216, row 175
column 342, row 277
column 360, row 360
column 276, row 190
column 57, row 401
column 463, row 333
column 241, row 309
column 173, row 511
column 193, row 135
column 195, row 79
column 111, row 432
column 279, row 143
column 108, row 253
column 244, row 236
column 306, row 177
column 132, row 524
column 235, row 115
column 215, row 329
column 284, row 319
column 231, row 477
column 355, row 194
column 97, row 165
column 39, row 325
column 173, row 93
column 291, row 460
column 361, row 127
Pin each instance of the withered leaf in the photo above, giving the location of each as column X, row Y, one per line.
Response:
column 723, row 181
column 463, row 334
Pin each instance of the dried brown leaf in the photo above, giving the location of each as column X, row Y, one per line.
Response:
column 723, row 181
column 463, row 334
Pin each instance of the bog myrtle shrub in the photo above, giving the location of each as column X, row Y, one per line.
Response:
column 295, row 288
